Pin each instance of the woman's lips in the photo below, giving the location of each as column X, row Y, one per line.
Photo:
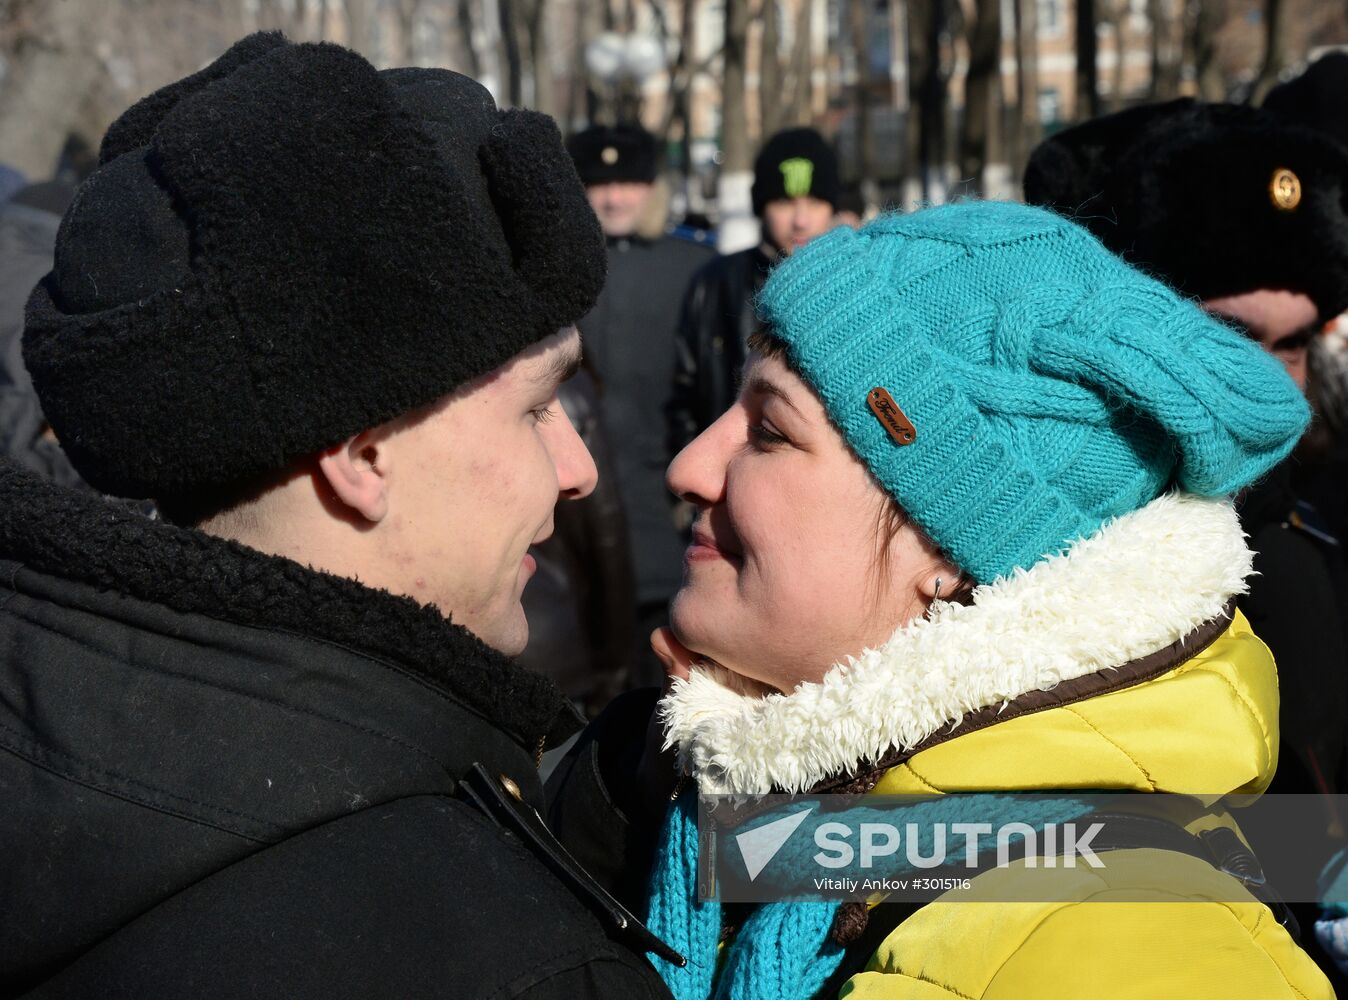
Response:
column 704, row 549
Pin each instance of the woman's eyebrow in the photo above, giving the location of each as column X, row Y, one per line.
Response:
column 759, row 386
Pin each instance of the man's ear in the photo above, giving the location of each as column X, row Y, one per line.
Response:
column 353, row 472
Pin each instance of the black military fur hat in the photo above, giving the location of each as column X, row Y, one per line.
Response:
column 1216, row 199
column 290, row 247
column 1318, row 98
column 607, row 153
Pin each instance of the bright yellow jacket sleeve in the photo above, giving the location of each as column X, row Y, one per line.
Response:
column 1092, row 940
column 1113, row 951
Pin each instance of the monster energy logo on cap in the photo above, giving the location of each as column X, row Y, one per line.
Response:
column 797, row 176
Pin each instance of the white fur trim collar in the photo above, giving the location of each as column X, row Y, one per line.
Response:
column 1140, row 583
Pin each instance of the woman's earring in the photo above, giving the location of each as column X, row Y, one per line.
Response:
column 934, row 598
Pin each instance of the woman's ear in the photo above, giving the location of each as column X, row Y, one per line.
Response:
column 353, row 472
column 943, row 582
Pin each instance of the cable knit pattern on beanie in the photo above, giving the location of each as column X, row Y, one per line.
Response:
column 1052, row 386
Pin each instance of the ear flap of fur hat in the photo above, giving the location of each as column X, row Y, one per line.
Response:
column 541, row 202
column 1318, row 98
column 347, row 265
column 1216, row 199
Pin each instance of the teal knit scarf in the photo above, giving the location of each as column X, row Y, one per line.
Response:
column 784, row 949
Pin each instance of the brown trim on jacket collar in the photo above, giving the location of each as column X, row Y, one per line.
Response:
column 1067, row 692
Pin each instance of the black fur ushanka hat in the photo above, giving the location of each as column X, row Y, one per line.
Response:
column 1318, row 98
column 607, row 153
column 1215, row 199
column 290, row 247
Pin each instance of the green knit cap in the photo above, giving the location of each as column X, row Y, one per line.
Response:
column 1048, row 386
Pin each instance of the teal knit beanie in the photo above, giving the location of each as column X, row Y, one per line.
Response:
column 1036, row 385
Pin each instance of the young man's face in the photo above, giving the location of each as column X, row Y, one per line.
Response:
column 619, row 205
column 1283, row 323
column 474, row 483
column 793, row 222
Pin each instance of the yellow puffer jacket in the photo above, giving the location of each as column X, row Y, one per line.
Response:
column 1117, row 665
column 1002, row 951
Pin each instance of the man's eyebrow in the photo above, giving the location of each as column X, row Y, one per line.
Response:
column 563, row 367
column 759, row 386
column 1305, row 335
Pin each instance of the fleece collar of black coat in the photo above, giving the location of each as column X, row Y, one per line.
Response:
column 112, row 546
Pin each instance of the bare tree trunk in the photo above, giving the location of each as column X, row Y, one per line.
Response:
column 1206, row 18
column 926, row 94
column 802, row 68
column 770, row 104
column 1087, row 76
column 1028, row 127
column 1165, row 62
column 1156, row 25
column 739, row 229
column 539, row 62
column 1275, row 45
column 52, row 65
column 859, row 23
column 678, row 104
column 577, row 104
column 408, row 11
column 510, row 43
column 1117, row 17
column 981, row 91
column 734, row 120
column 463, row 19
column 358, row 22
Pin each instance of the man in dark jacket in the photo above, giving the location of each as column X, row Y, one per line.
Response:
column 629, row 341
column 278, row 748
column 795, row 195
column 28, row 224
column 581, row 603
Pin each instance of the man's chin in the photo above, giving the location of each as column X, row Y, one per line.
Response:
column 511, row 637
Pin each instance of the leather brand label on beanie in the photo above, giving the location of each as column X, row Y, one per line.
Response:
column 887, row 411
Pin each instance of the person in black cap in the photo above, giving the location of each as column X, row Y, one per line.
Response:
column 1246, row 212
column 1318, row 100
column 276, row 746
column 795, row 195
column 629, row 341
column 28, row 224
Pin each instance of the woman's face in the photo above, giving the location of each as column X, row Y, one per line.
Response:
column 784, row 574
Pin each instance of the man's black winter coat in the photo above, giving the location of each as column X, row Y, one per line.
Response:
column 717, row 321
column 629, row 340
column 226, row 775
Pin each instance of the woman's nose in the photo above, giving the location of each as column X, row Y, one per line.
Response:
column 697, row 473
